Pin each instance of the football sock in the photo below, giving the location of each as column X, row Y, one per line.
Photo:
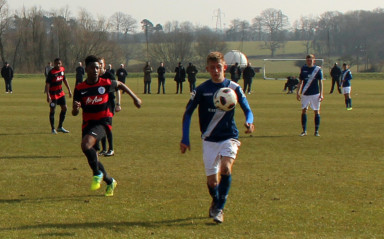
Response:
column 52, row 119
column 346, row 103
column 214, row 192
column 91, row 155
column 224, row 186
column 350, row 102
column 104, row 143
column 106, row 178
column 304, row 122
column 110, row 139
column 62, row 118
column 317, row 122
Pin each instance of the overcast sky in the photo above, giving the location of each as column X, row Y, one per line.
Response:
column 200, row 12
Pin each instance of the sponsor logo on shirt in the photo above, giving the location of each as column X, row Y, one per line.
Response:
column 93, row 101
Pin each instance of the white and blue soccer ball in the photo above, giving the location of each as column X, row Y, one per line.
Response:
column 225, row 99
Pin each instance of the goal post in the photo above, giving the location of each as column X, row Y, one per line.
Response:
column 280, row 69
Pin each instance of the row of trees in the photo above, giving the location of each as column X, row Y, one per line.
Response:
column 29, row 38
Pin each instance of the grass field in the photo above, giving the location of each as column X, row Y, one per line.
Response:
column 284, row 186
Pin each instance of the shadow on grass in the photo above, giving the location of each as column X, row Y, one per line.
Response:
column 15, row 134
column 111, row 225
column 265, row 136
column 84, row 198
column 35, row 157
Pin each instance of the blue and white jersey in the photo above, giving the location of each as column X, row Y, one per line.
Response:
column 215, row 125
column 346, row 78
column 306, row 75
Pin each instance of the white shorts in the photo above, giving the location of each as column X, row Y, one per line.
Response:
column 346, row 90
column 312, row 100
column 213, row 151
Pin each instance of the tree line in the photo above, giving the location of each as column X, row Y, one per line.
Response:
column 29, row 38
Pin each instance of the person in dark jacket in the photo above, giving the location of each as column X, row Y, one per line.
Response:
column 121, row 74
column 179, row 77
column 79, row 73
column 248, row 74
column 7, row 74
column 191, row 72
column 235, row 72
column 147, row 77
column 161, row 77
column 335, row 74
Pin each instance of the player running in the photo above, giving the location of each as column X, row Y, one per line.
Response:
column 56, row 95
column 92, row 96
column 310, row 92
column 219, row 132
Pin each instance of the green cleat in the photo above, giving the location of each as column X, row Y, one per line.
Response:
column 96, row 181
column 110, row 188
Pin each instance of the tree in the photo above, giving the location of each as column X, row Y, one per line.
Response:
column 123, row 23
column 305, row 28
column 4, row 23
column 274, row 23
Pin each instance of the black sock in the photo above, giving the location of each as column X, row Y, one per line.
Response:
column 91, row 155
column 52, row 119
column 62, row 118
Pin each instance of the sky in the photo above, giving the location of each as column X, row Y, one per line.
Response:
column 199, row 12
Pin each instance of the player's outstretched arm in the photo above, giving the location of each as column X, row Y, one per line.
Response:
column 136, row 100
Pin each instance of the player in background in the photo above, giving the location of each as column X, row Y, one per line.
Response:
column 310, row 92
column 56, row 95
column 115, row 107
column 219, row 132
column 92, row 96
column 346, row 85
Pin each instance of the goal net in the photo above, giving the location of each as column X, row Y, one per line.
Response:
column 280, row 69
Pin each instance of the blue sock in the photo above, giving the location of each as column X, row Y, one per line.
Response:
column 304, row 122
column 214, row 192
column 224, row 186
column 350, row 102
column 317, row 122
column 346, row 103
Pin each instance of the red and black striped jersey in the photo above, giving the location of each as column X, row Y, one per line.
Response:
column 55, row 79
column 94, row 101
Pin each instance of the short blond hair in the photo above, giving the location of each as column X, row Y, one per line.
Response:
column 215, row 57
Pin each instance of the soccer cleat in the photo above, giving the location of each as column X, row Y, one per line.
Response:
column 317, row 133
column 102, row 153
column 349, row 108
column 304, row 133
column 96, row 180
column 110, row 188
column 61, row 129
column 218, row 215
column 109, row 153
column 54, row 131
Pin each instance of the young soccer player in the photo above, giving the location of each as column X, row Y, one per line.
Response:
column 346, row 85
column 56, row 95
column 310, row 92
column 219, row 132
column 92, row 96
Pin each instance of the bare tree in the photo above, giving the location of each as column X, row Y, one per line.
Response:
column 4, row 23
column 306, row 29
column 123, row 23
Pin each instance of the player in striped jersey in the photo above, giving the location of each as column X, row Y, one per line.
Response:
column 93, row 97
column 219, row 132
column 56, row 95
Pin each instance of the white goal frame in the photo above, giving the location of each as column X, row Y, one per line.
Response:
column 271, row 78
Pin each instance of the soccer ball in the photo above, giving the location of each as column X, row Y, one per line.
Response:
column 225, row 99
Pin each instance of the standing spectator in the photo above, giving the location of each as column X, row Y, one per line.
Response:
column 147, row 77
column 47, row 69
column 346, row 84
column 56, row 95
column 7, row 74
column 248, row 74
column 161, row 77
column 121, row 74
column 219, row 132
column 95, row 117
column 79, row 73
column 235, row 72
column 335, row 74
column 179, row 77
column 192, row 71
column 310, row 92
column 111, row 70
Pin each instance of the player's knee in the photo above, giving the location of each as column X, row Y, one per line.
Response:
column 85, row 145
column 226, row 170
column 212, row 183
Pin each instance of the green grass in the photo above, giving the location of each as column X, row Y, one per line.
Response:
column 284, row 186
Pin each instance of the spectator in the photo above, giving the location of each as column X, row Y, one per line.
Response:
column 248, row 74
column 121, row 74
column 7, row 74
column 235, row 72
column 147, row 77
column 79, row 73
column 192, row 71
column 179, row 77
column 161, row 77
column 335, row 74
column 291, row 84
column 111, row 70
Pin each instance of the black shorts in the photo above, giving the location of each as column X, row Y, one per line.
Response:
column 60, row 101
column 98, row 131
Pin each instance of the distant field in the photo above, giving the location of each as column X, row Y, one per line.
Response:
column 284, row 186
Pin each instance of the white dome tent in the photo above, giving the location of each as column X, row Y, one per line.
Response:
column 236, row 56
